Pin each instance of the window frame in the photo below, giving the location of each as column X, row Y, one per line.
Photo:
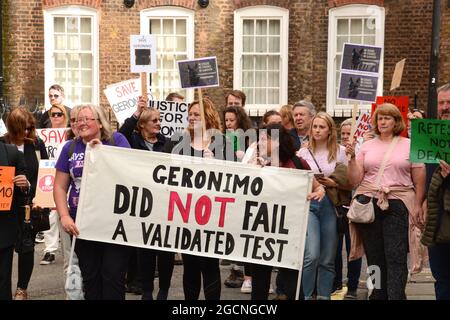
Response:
column 173, row 12
column 265, row 12
column 352, row 11
column 49, row 50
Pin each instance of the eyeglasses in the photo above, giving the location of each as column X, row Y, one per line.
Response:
column 57, row 114
column 73, row 120
column 53, row 96
column 85, row 120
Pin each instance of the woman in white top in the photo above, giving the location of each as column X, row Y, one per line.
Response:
column 321, row 239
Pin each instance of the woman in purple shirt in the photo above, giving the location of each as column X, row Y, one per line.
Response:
column 103, row 265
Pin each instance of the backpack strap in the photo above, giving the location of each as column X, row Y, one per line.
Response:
column 72, row 148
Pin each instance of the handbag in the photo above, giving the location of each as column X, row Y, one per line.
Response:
column 362, row 212
column 40, row 219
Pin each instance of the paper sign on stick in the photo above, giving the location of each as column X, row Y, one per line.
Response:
column 398, row 74
column 6, row 187
column 199, row 73
column 53, row 139
column 142, row 53
column 3, row 129
column 361, row 58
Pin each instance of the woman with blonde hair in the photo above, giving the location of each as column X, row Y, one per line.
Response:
column 322, row 155
column 397, row 194
column 103, row 265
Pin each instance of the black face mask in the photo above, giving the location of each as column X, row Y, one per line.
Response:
column 142, row 57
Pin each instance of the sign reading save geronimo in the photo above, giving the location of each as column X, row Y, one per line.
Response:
column 203, row 207
column 430, row 140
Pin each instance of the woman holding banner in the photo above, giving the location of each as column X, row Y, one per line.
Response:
column 196, row 142
column 103, row 265
column 142, row 130
column 276, row 148
column 323, row 155
column 22, row 133
column 396, row 195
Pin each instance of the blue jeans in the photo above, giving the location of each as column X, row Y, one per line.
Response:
column 439, row 255
column 320, row 250
column 353, row 267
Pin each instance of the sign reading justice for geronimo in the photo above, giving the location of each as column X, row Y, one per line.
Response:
column 203, row 207
column 430, row 140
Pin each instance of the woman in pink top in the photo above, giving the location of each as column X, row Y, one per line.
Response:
column 400, row 192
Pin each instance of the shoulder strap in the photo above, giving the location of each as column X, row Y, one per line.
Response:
column 385, row 160
column 111, row 141
column 314, row 158
column 72, row 148
column 297, row 162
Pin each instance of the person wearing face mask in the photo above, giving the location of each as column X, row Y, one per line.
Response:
column 56, row 97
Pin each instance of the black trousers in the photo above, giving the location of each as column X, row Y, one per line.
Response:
column 386, row 245
column 194, row 268
column 6, row 262
column 103, row 267
column 261, row 276
column 147, row 263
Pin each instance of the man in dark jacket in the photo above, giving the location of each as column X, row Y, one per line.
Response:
column 56, row 97
column 436, row 234
column 10, row 156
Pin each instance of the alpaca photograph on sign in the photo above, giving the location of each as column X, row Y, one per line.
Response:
column 199, row 73
column 142, row 53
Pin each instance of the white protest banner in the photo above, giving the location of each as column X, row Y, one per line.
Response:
column 203, row 207
column 123, row 98
column 142, row 53
column 45, row 181
column 3, row 129
column 174, row 116
column 52, row 138
column 198, row 73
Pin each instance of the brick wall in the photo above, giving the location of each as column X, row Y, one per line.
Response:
column 407, row 35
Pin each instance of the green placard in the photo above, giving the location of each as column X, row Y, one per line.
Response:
column 430, row 140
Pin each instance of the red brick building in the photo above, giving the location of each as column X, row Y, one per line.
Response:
column 277, row 51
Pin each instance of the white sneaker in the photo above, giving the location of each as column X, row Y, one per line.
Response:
column 271, row 291
column 246, row 286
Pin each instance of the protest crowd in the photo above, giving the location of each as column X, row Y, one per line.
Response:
column 367, row 195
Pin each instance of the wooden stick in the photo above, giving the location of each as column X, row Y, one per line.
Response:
column 144, row 84
column 352, row 131
column 202, row 111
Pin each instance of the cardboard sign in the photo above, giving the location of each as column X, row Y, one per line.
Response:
column 358, row 87
column 174, row 116
column 53, row 139
column 142, row 53
column 45, row 181
column 362, row 125
column 6, row 187
column 3, row 129
column 199, row 73
column 361, row 58
column 123, row 97
column 203, row 207
column 430, row 140
column 398, row 74
column 401, row 102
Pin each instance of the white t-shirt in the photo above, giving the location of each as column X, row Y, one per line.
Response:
column 322, row 159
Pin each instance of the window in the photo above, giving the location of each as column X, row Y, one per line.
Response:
column 174, row 32
column 356, row 24
column 71, row 53
column 261, row 57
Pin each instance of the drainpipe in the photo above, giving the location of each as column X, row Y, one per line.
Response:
column 434, row 60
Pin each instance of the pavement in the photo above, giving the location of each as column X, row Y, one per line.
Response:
column 47, row 282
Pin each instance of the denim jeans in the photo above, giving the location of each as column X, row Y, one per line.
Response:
column 320, row 250
column 439, row 255
column 353, row 267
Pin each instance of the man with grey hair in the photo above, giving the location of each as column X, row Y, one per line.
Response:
column 303, row 112
column 437, row 231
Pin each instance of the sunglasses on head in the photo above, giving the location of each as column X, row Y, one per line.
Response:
column 53, row 96
column 57, row 114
